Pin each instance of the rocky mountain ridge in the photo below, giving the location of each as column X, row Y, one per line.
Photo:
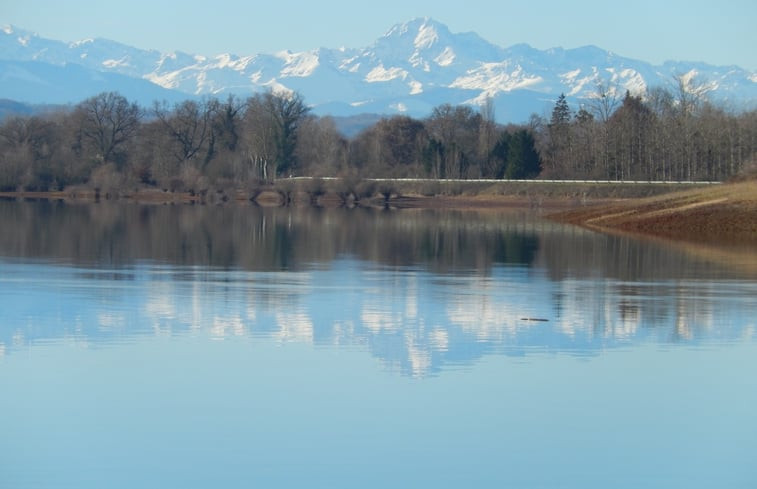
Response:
column 414, row 67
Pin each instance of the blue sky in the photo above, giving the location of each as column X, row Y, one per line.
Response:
column 714, row 32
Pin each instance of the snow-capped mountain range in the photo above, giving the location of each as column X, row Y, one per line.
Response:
column 411, row 69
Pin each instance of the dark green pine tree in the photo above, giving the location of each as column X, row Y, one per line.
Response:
column 499, row 152
column 584, row 117
column 560, row 146
column 561, row 113
column 522, row 158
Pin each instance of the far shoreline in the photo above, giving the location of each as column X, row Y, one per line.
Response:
column 702, row 213
column 396, row 193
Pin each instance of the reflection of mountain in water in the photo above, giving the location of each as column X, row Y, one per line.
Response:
column 419, row 290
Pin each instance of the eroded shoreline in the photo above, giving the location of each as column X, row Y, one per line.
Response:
column 724, row 214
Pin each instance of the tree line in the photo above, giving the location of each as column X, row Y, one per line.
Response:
column 664, row 134
column 109, row 142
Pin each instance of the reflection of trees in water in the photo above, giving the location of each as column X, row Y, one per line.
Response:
column 619, row 288
column 253, row 238
column 572, row 252
column 446, row 288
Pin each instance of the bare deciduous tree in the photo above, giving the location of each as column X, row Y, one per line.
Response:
column 455, row 131
column 188, row 124
column 259, row 139
column 320, row 148
column 108, row 122
column 487, row 137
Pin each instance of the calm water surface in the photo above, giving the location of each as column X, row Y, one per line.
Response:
column 238, row 347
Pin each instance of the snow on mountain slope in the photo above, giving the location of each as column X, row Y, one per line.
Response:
column 36, row 82
column 412, row 68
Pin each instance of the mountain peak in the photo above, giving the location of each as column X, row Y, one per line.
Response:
column 424, row 27
column 14, row 30
column 427, row 36
column 416, row 65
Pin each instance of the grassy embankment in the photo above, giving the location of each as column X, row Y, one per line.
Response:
column 533, row 194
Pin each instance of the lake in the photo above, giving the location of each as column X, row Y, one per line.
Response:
column 236, row 346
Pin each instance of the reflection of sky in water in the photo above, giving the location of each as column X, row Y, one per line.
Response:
column 475, row 359
column 415, row 322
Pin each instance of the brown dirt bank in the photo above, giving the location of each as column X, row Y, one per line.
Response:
column 720, row 214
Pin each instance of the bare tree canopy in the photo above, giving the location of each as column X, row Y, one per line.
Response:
column 188, row 124
column 108, row 121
